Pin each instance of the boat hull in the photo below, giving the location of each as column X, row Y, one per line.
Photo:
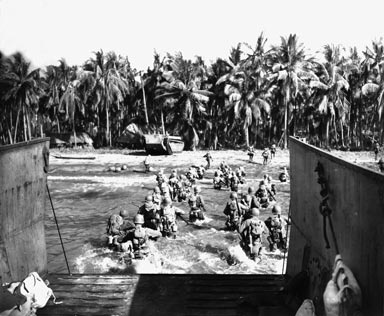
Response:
column 23, row 180
column 160, row 145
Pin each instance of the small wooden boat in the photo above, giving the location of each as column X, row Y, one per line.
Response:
column 74, row 157
column 163, row 145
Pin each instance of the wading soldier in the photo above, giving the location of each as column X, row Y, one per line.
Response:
column 276, row 226
column 381, row 165
column 208, row 158
column 150, row 213
column 251, row 232
column 376, row 149
column 265, row 154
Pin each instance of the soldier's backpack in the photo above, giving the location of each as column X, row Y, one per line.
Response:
column 114, row 223
column 256, row 229
column 139, row 238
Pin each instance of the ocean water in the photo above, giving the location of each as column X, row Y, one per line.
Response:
column 84, row 195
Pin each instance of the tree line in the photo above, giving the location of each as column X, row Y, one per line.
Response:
column 256, row 96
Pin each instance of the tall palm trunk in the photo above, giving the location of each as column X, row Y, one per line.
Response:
column 286, row 100
column 246, row 135
column 342, row 133
column 8, row 132
column 24, row 125
column 17, row 124
column 28, row 123
column 108, row 138
column 162, row 120
column 145, row 102
column 327, row 134
column 335, row 129
column 74, row 133
column 58, row 124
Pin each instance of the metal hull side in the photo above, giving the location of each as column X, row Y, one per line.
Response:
column 160, row 145
column 22, row 207
column 356, row 198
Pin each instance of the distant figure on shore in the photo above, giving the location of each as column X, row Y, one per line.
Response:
column 381, row 165
column 273, row 151
column 147, row 165
column 265, row 154
column 208, row 158
column 251, row 153
column 376, row 149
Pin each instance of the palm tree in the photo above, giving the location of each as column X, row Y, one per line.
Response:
column 332, row 87
column 110, row 87
column 24, row 90
column 290, row 68
column 70, row 103
column 373, row 89
column 57, row 79
column 183, row 98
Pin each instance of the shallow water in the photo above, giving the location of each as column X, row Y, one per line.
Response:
column 85, row 195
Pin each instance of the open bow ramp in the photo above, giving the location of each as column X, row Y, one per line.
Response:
column 95, row 294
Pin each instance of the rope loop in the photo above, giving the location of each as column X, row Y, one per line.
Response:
column 324, row 208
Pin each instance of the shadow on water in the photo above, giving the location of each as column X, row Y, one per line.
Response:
column 160, row 295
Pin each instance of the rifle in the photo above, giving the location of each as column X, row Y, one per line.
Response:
column 239, row 213
column 270, row 193
column 250, row 244
column 184, row 220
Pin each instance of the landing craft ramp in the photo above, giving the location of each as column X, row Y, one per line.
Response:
column 213, row 295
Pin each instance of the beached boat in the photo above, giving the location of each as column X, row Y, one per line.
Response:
column 75, row 157
column 163, row 145
column 324, row 189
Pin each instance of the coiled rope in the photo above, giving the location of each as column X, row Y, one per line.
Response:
column 324, row 208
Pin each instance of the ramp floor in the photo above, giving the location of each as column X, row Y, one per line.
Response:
column 122, row 295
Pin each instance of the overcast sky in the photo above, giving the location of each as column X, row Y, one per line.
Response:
column 47, row 30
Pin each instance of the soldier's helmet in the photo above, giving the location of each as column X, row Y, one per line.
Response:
column 251, row 190
column 276, row 209
column 124, row 213
column 139, row 219
column 233, row 195
column 197, row 189
column 157, row 190
column 192, row 199
column 255, row 211
column 149, row 198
